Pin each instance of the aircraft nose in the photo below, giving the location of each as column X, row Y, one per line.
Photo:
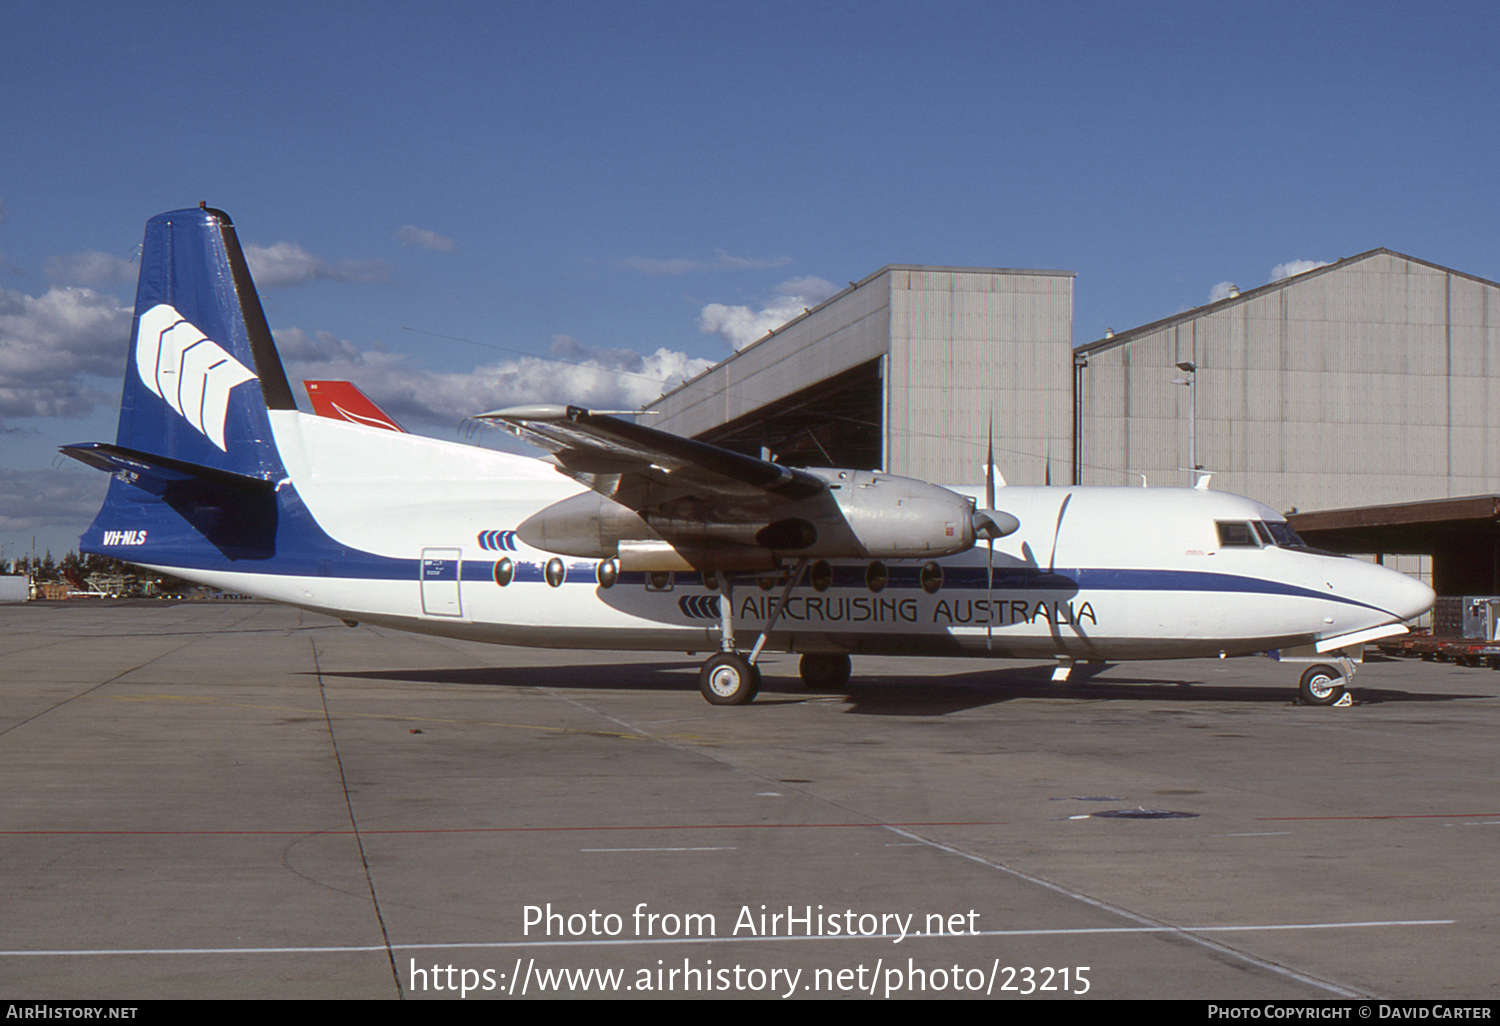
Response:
column 1398, row 594
column 1408, row 597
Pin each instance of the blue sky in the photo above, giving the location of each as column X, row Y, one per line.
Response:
column 463, row 205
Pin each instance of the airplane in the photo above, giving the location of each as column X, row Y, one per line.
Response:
column 630, row 538
column 342, row 400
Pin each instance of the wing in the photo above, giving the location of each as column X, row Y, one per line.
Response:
column 662, row 502
column 642, row 468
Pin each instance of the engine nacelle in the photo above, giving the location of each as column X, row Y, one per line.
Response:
column 589, row 525
column 861, row 515
column 894, row 517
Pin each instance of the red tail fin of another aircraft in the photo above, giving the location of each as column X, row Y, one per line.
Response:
column 341, row 400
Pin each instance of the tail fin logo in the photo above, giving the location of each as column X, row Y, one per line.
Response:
column 189, row 370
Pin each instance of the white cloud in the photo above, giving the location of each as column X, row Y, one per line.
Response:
column 1223, row 290
column 722, row 261
column 577, row 373
column 652, row 265
column 286, row 264
column 1295, row 267
column 411, row 235
column 91, row 268
column 49, row 342
column 740, row 325
column 809, row 287
column 598, row 378
column 1291, row 268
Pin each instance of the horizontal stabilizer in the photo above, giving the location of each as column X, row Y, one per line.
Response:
column 237, row 514
column 158, row 473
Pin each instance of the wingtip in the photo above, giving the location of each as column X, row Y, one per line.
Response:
column 534, row 411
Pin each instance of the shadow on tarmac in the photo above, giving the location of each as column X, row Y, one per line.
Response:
column 891, row 694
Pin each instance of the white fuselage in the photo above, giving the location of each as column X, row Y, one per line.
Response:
column 1105, row 573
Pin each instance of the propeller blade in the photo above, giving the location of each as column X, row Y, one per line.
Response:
column 1061, row 510
column 989, row 468
column 991, row 524
column 989, row 597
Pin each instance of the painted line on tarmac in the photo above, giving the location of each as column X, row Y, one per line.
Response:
column 1393, row 815
column 1146, row 923
column 649, row 941
column 730, row 847
column 486, row 830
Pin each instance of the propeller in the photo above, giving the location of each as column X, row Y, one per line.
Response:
column 989, row 524
column 989, row 559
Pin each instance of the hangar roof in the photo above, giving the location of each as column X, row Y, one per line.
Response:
column 1461, row 535
column 693, row 381
column 1120, row 338
column 1399, row 527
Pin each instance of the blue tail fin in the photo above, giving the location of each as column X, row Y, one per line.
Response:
column 195, row 436
column 202, row 369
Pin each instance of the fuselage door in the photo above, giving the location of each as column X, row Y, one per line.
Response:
column 440, row 582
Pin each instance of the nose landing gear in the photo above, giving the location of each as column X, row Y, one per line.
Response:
column 1324, row 685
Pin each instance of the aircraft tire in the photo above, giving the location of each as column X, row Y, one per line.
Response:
column 1317, row 685
column 824, row 671
column 728, row 678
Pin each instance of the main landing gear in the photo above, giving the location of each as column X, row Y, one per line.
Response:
column 730, row 678
column 824, row 671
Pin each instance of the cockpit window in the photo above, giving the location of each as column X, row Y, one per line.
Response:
column 1286, row 538
column 1284, row 535
column 1255, row 534
column 1236, row 533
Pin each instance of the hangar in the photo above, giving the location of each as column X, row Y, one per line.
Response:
column 902, row 371
column 1367, row 382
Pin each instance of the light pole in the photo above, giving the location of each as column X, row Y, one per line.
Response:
column 1191, row 369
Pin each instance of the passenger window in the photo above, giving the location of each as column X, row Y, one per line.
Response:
column 1236, row 533
column 821, row 575
column 932, row 578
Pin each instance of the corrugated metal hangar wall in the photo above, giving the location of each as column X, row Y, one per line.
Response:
column 903, row 371
column 1369, row 381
